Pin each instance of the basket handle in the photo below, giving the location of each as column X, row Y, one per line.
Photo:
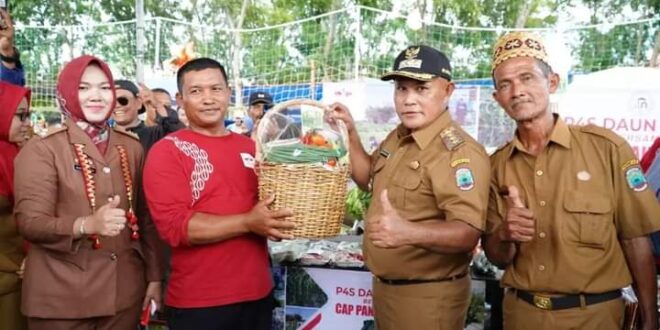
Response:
column 298, row 102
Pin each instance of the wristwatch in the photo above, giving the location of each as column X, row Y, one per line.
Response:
column 11, row 59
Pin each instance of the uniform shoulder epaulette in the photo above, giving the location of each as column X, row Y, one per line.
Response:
column 125, row 132
column 54, row 130
column 452, row 138
column 603, row 132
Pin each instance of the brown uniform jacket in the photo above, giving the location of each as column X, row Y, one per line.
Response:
column 438, row 173
column 586, row 191
column 66, row 278
column 11, row 249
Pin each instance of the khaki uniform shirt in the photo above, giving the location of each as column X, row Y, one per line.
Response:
column 65, row 278
column 438, row 173
column 11, row 250
column 587, row 191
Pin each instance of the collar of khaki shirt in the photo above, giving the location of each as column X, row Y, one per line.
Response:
column 560, row 135
column 78, row 136
column 424, row 136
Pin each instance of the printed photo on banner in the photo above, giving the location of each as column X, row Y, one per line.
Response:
column 372, row 106
column 320, row 298
column 464, row 108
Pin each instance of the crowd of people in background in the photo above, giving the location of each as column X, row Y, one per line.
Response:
column 134, row 180
column 79, row 209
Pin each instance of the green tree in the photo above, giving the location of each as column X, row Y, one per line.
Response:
column 329, row 48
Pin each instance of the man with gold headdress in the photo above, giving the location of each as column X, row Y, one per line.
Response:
column 430, row 184
column 570, row 210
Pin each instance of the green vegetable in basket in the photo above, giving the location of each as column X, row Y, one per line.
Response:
column 357, row 203
column 299, row 153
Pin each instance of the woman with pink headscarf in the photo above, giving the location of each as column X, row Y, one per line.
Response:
column 14, row 131
column 94, row 260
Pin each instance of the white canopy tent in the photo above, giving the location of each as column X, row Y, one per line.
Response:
column 625, row 99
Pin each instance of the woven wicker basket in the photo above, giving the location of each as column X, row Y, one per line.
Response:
column 316, row 195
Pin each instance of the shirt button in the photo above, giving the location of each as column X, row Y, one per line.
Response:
column 113, row 256
column 541, row 268
column 106, row 170
column 542, row 235
column 539, row 172
column 542, row 203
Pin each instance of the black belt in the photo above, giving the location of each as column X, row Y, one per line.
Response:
column 568, row 301
column 407, row 282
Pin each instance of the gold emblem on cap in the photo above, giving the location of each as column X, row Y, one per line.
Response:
column 411, row 60
column 411, row 53
column 519, row 44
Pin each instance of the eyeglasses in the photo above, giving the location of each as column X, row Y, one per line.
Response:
column 23, row 116
column 122, row 100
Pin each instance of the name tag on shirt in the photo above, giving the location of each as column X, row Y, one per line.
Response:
column 248, row 160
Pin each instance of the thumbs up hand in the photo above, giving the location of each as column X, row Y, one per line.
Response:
column 519, row 224
column 387, row 230
column 108, row 220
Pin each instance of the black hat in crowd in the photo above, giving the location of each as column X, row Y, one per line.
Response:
column 260, row 97
column 131, row 87
column 420, row 63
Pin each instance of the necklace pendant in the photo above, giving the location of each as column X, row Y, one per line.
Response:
column 96, row 242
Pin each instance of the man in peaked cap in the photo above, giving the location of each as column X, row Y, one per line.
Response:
column 131, row 102
column 259, row 102
column 569, row 211
column 429, row 181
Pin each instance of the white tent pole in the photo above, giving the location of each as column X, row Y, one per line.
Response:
column 139, row 40
column 356, row 49
column 157, row 64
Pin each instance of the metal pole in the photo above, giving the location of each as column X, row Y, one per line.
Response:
column 358, row 41
column 236, row 67
column 157, row 64
column 139, row 39
column 312, row 80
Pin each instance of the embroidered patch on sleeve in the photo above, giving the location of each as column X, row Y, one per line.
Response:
column 460, row 161
column 629, row 163
column 636, row 179
column 464, row 179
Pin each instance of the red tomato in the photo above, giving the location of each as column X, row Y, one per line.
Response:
column 307, row 139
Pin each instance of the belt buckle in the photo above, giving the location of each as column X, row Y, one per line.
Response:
column 542, row 302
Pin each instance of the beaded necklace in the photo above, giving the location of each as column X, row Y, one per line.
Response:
column 90, row 188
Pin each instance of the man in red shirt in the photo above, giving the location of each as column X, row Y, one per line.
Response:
column 202, row 193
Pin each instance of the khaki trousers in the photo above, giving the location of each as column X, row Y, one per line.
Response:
column 519, row 314
column 10, row 311
column 426, row 306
